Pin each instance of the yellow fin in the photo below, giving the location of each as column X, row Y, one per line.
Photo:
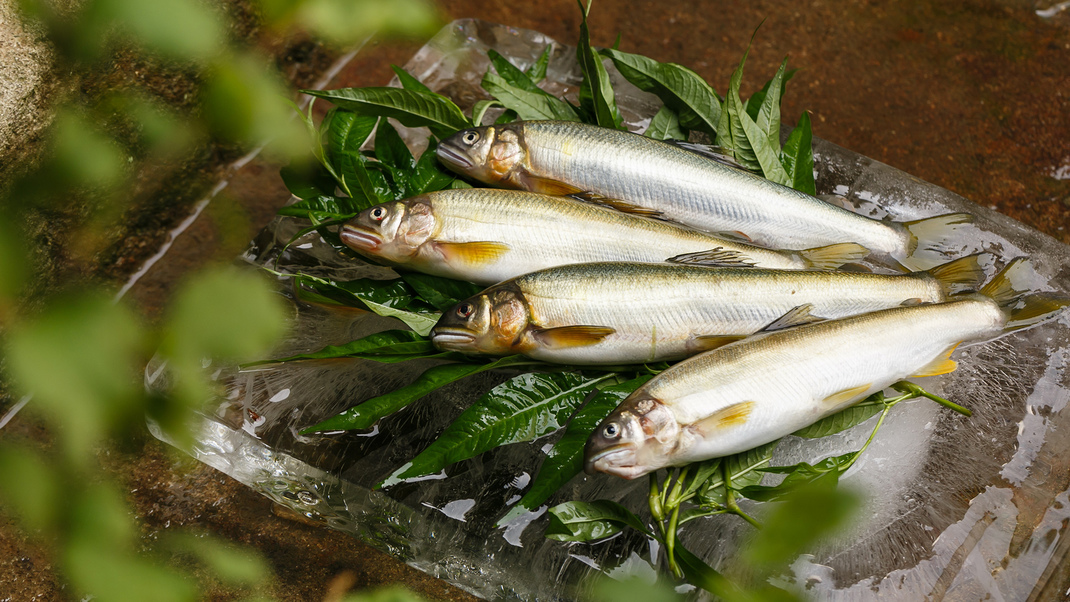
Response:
column 943, row 364
column 847, row 394
column 833, row 256
column 473, row 253
column 964, row 273
column 572, row 336
column 706, row 342
column 541, row 185
column 733, row 415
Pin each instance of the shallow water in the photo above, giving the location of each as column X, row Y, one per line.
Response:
column 955, row 508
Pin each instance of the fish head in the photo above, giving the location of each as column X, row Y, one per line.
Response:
column 491, row 153
column 635, row 439
column 393, row 231
column 491, row 322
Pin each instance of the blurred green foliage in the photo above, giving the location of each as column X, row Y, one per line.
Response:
column 76, row 353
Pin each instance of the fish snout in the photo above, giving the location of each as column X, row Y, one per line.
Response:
column 360, row 239
column 452, row 339
column 454, row 158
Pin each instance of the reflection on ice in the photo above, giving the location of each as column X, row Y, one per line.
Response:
column 956, row 508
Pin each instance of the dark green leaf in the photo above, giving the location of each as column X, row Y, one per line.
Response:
column 370, row 298
column 700, row 574
column 409, row 82
column 763, row 135
column 365, row 415
column 680, row 88
column 508, row 116
column 665, row 126
column 565, row 459
column 521, row 409
column 387, row 342
column 440, row 292
column 537, row 70
column 754, row 103
column 322, row 207
column 391, row 149
column 799, row 475
column 731, row 136
column 410, row 107
column 347, row 132
column 700, row 473
column 596, row 91
column 840, row 421
column 527, row 105
column 511, row 75
column 798, row 157
column 308, row 181
column 429, row 176
column 742, row 469
column 369, row 186
column 586, row 521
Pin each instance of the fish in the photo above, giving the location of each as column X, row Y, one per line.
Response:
column 624, row 313
column 755, row 391
column 489, row 235
column 631, row 172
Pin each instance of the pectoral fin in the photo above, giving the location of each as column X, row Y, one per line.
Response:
column 795, row 317
column 472, row 253
column 733, row 415
column 542, row 185
column 846, row 395
column 718, row 257
column 705, row 342
column 943, row 364
column 572, row 336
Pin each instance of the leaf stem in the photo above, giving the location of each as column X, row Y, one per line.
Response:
column 730, row 498
column 916, row 391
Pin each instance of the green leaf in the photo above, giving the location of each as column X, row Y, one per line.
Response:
column 480, row 109
column 799, row 475
column 387, row 342
column 409, row 82
column 307, row 181
column 586, row 521
column 391, row 149
column 665, row 126
column 428, row 176
column 565, row 459
column 742, row 469
column 763, row 135
column 840, row 421
column 511, row 75
column 440, row 292
column 365, row 415
column 797, row 157
column 30, row 486
column 234, row 566
column 700, row 574
column 98, row 570
column 410, row 107
column 347, row 132
column 366, row 295
column 680, row 88
column 369, row 186
column 754, row 103
column 731, row 136
column 521, row 409
column 596, row 91
column 527, row 105
column 183, row 30
column 322, row 208
column 537, row 70
column 421, row 323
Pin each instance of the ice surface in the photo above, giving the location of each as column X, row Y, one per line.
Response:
column 956, row 508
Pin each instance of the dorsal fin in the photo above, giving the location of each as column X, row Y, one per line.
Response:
column 796, row 316
column 719, row 257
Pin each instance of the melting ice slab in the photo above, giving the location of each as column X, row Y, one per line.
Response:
column 956, row 508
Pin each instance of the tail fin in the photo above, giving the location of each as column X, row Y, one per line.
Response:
column 1034, row 309
column 833, row 256
column 934, row 231
column 962, row 274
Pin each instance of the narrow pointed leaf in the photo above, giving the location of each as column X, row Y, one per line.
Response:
column 409, row 82
column 391, row 149
column 511, row 74
column 799, row 475
column 308, row 181
column 700, row 574
column 680, row 88
column 565, row 459
column 586, row 521
column 768, row 119
column 767, row 155
column 373, row 296
column 365, row 415
column 440, row 292
column 665, row 125
column 537, row 70
column 797, row 157
column 522, row 409
column 596, row 91
column 369, row 185
column 754, row 103
column 385, row 342
column 840, row 421
column 412, row 108
column 479, row 110
column 527, row 105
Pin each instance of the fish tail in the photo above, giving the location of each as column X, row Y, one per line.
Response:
column 962, row 274
column 834, row 256
column 935, row 232
column 1022, row 310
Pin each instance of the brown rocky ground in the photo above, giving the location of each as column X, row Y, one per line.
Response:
column 973, row 95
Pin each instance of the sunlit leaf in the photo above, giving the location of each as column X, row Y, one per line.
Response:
column 798, row 157
column 521, row 409
column 347, row 22
column 680, row 88
column 665, row 125
column 565, row 459
column 596, row 91
column 587, row 521
column 527, row 105
column 410, row 107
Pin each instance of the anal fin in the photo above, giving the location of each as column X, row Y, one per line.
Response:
column 706, row 342
column 846, row 395
column 943, row 364
column 472, row 253
column 572, row 336
column 533, row 183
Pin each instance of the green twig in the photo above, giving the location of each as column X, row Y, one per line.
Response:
column 730, row 498
column 916, row 391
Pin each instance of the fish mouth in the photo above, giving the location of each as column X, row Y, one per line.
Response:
column 453, row 158
column 359, row 238
column 603, row 460
column 451, row 339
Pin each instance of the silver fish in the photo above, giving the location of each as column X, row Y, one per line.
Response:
column 613, row 313
column 760, row 389
column 633, row 172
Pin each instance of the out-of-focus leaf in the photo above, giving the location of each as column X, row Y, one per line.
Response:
column 527, row 105
column 798, row 157
column 409, row 82
column 442, row 293
column 308, row 180
column 742, row 470
column 365, row 415
column 233, row 566
column 14, row 264
column 799, row 475
column 700, row 574
column 179, row 29
column 587, row 521
column 30, row 486
column 840, row 421
column 596, row 91
column 244, row 102
column 429, row 175
column 82, row 154
column 385, row 594
column 410, row 107
column 537, row 71
column 522, row 409
column 96, row 571
column 79, row 359
column 346, row 22
column 665, row 126
column 565, row 459
column 631, row 588
column 680, row 88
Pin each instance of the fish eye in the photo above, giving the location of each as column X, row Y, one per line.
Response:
column 611, row 431
column 470, row 137
column 464, row 310
column 378, row 213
